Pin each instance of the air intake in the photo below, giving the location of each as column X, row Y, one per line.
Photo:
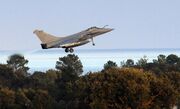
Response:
column 44, row 46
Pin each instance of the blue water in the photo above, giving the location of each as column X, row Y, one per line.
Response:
column 92, row 60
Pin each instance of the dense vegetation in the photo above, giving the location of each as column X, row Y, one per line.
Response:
column 141, row 85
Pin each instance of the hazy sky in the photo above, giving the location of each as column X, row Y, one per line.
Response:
column 137, row 23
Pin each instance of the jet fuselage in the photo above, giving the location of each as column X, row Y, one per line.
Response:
column 70, row 41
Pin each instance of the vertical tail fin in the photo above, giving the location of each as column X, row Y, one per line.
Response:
column 45, row 37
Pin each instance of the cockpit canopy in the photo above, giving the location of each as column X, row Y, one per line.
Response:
column 94, row 27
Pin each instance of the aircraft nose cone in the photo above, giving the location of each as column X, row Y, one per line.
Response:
column 108, row 30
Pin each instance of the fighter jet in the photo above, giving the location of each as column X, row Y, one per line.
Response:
column 71, row 41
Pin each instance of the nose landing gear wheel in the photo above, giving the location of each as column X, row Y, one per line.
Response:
column 92, row 42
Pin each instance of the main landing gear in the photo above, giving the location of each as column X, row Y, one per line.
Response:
column 71, row 50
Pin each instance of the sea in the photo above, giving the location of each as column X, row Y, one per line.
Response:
column 92, row 60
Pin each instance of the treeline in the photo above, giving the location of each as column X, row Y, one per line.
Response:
column 141, row 85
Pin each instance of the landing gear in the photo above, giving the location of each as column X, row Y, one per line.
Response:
column 92, row 42
column 67, row 50
column 71, row 50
